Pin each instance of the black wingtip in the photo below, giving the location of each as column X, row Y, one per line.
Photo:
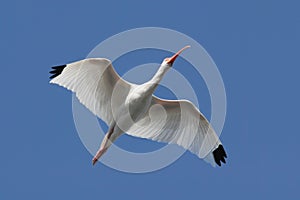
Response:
column 219, row 155
column 56, row 70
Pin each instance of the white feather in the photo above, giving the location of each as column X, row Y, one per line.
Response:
column 93, row 81
column 179, row 123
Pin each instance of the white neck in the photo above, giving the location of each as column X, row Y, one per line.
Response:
column 153, row 83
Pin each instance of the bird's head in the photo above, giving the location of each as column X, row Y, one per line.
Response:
column 169, row 61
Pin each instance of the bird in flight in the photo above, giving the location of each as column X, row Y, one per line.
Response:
column 133, row 109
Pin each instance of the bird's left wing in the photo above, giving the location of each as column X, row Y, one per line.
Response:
column 180, row 122
column 93, row 81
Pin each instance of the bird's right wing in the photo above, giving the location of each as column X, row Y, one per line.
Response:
column 180, row 122
column 93, row 81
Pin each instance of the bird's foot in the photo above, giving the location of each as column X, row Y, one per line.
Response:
column 98, row 155
column 94, row 160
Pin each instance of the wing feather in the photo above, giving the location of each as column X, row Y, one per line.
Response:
column 93, row 81
column 181, row 123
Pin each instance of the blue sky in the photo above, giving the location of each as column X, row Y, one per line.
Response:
column 255, row 45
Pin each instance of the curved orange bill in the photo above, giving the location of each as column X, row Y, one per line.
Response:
column 173, row 58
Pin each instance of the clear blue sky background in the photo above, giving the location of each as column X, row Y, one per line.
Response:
column 255, row 44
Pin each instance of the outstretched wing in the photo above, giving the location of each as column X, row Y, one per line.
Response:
column 93, row 81
column 180, row 122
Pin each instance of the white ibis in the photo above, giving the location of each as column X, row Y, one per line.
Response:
column 133, row 109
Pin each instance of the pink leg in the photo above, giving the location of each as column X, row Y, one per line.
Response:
column 104, row 146
column 99, row 153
